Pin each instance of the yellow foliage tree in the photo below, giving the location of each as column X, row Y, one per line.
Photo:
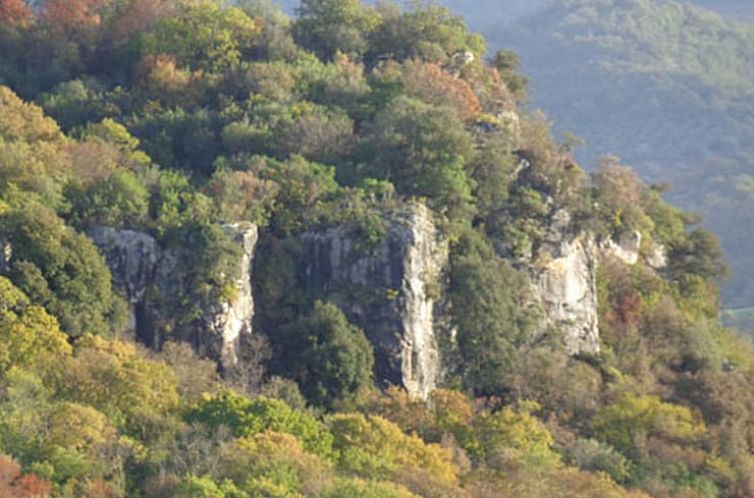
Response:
column 375, row 448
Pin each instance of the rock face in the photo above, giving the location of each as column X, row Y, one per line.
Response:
column 391, row 290
column 567, row 287
column 225, row 322
column 141, row 269
column 566, row 284
column 132, row 257
column 626, row 249
column 563, row 273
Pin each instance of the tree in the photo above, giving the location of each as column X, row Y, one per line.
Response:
column 518, row 433
column 620, row 194
column 432, row 84
column 328, row 26
column 427, row 32
column 15, row 484
column 204, row 35
column 304, row 188
column 423, row 150
column 15, row 13
column 245, row 417
column 29, row 337
column 115, row 379
column 273, row 464
column 120, row 200
column 71, row 16
column 490, row 302
column 507, row 64
column 635, row 417
column 367, row 489
column 241, row 195
column 700, row 254
column 20, row 121
column 316, row 133
column 333, row 359
column 61, row 270
column 374, row 448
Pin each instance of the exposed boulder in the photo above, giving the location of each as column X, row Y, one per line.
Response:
column 657, row 256
column 392, row 290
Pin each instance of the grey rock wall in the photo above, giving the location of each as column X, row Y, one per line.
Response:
column 567, row 289
column 141, row 269
column 393, row 291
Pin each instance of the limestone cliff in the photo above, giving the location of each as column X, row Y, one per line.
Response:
column 149, row 277
column 565, row 280
column 391, row 290
column 567, row 288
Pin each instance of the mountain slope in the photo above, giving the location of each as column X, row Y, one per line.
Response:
column 666, row 86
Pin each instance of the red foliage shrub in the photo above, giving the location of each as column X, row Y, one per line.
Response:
column 13, row 484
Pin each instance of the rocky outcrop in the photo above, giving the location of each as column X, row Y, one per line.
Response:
column 626, row 249
column 656, row 256
column 563, row 275
column 567, row 288
column 629, row 250
column 392, row 290
column 228, row 321
column 150, row 277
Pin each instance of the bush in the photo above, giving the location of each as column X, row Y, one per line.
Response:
column 332, row 358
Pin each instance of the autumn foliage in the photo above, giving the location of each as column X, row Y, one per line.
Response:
column 15, row 484
column 14, row 13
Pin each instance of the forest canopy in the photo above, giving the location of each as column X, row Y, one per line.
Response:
column 176, row 117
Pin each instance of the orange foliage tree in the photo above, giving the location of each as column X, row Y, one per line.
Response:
column 434, row 85
column 13, row 483
column 14, row 13
column 70, row 16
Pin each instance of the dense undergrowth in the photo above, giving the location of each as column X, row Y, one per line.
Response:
column 176, row 116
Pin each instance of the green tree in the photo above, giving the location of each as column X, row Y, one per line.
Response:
column 426, row 31
column 372, row 447
column 120, row 200
column 205, row 35
column 635, row 417
column 488, row 296
column 60, row 269
column 423, row 151
column 29, row 337
column 507, row 64
column 332, row 359
column 116, row 379
column 518, row 432
column 328, row 26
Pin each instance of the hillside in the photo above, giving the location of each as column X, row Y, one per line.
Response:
column 244, row 256
column 673, row 98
